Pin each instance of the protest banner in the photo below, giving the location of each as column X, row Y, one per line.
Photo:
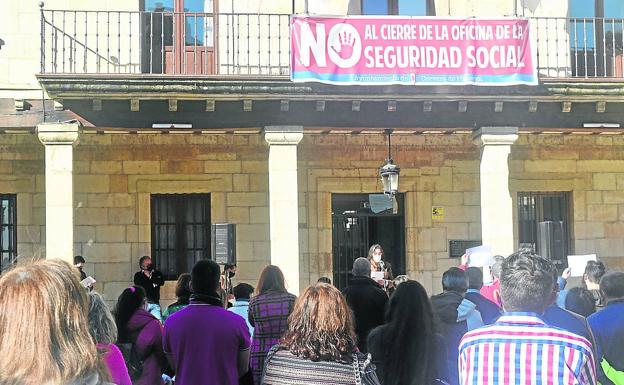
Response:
column 411, row 50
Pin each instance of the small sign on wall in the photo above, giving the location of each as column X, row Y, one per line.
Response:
column 457, row 247
column 437, row 213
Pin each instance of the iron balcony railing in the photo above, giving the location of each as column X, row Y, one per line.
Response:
column 138, row 42
column 578, row 47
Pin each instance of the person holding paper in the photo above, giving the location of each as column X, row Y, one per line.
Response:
column 491, row 291
column 79, row 262
column 381, row 271
column 594, row 270
column 87, row 282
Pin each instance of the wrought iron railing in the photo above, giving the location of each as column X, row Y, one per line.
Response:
column 578, row 47
column 135, row 42
column 138, row 42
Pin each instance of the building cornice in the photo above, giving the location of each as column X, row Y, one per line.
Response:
column 146, row 87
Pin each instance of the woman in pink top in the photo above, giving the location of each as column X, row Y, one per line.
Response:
column 492, row 290
column 104, row 332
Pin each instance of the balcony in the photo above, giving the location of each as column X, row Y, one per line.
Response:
column 164, row 43
column 227, row 44
column 588, row 48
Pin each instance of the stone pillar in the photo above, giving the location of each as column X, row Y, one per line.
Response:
column 496, row 203
column 283, row 202
column 59, row 139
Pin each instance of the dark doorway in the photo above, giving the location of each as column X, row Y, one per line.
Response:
column 361, row 220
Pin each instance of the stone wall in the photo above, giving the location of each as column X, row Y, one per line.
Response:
column 21, row 173
column 115, row 174
column 592, row 168
column 440, row 170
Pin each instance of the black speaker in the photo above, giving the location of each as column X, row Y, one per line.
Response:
column 550, row 239
column 223, row 243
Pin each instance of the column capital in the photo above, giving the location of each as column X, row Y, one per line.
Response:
column 496, row 136
column 64, row 133
column 283, row 135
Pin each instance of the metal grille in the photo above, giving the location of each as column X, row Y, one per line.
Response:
column 8, row 230
column 350, row 241
column 164, row 42
column 355, row 227
column 537, row 207
column 180, row 231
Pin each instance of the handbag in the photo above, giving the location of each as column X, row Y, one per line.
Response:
column 133, row 362
column 367, row 374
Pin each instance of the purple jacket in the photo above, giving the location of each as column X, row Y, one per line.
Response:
column 115, row 363
column 145, row 331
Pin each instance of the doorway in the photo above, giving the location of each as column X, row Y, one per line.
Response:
column 360, row 221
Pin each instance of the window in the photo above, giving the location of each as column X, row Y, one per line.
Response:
column 596, row 37
column 197, row 29
column 543, row 224
column 8, row 230
column 177, row 36
column 180, row 231
column 398, row 7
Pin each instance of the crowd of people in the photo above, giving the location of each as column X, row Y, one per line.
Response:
column 521, row 326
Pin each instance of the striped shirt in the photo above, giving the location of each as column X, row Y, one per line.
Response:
column 520, row 349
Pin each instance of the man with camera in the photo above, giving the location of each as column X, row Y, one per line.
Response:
column 151, row 280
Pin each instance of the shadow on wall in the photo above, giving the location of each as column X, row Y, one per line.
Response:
column 355, row 7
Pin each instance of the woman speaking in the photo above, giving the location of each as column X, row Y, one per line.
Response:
column 381, row 271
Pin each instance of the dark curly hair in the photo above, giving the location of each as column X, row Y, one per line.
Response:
column 320, row 328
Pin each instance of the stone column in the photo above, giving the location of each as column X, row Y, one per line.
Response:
column 496, row 203
column 59, row 139
column 283, row 202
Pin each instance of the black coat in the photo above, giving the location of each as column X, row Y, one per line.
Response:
column 151, row 285
column 488, row 309
column 445, row 307
column 368, row 302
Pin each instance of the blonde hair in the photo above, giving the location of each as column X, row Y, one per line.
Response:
column 44, row 333
column 321, row 327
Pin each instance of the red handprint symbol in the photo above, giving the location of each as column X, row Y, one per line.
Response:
column 346, row 40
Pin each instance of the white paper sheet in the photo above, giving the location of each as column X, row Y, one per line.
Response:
column 377, row 275
column 89, row 281
column 480, row 256
column 577, row 263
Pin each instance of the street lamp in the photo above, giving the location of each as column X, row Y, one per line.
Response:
column 389, row 172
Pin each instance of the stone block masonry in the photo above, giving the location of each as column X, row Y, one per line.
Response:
column 113, row 181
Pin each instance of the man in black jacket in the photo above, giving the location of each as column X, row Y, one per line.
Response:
column 488, row 309
column 367, row 300
column 455, row 315
column 151, row 280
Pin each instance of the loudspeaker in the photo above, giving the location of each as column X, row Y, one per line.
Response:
column 550, row 238
column 223, row 243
